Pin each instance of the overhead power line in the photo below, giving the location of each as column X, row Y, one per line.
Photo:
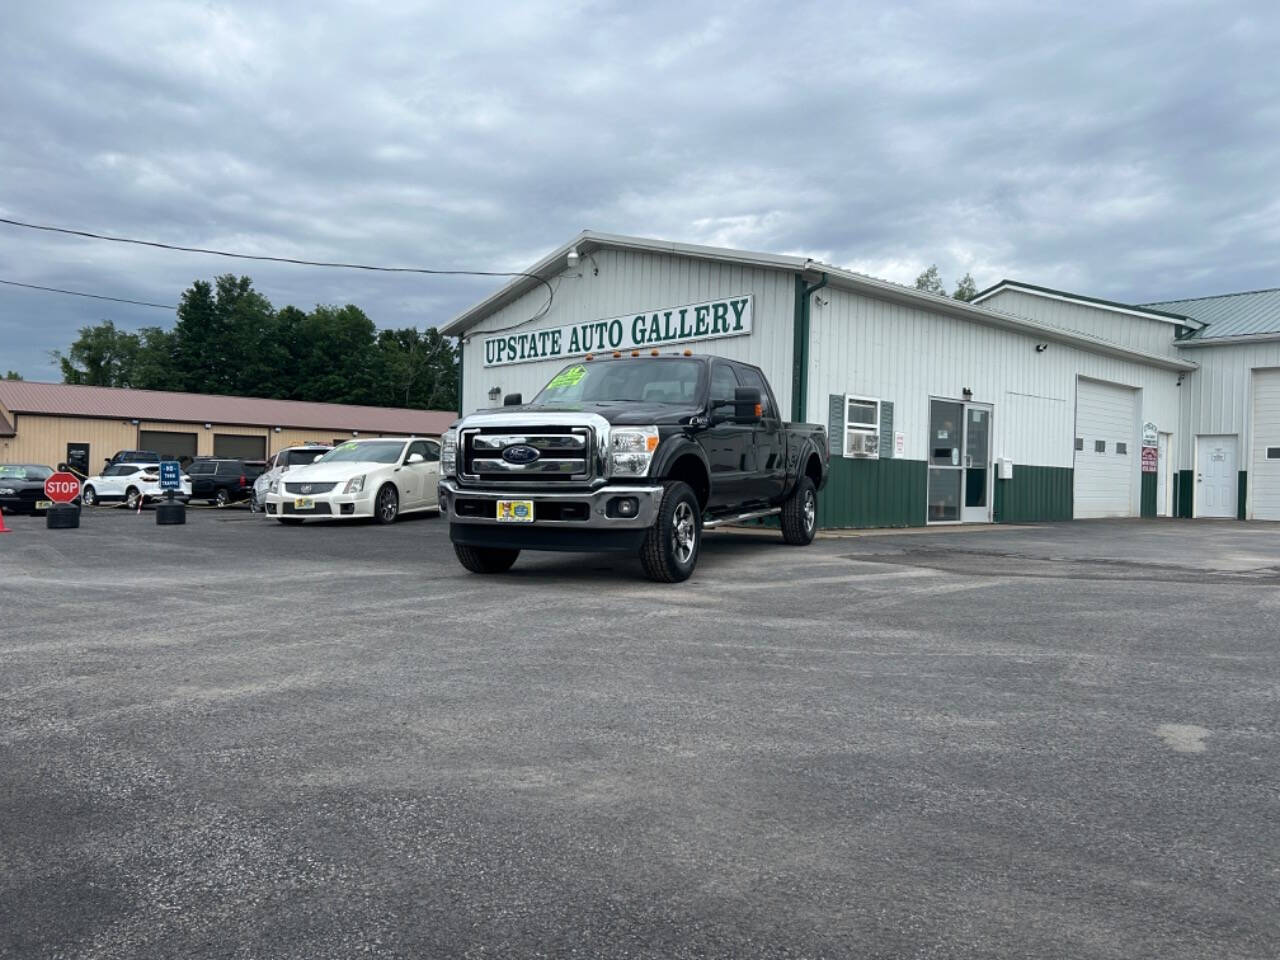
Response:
column 89, row 234
column 92, row 296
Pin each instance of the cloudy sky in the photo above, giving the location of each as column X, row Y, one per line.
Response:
column 1124, row 150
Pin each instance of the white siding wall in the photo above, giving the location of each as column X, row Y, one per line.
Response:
column 1216, row 398
column 632, row 282
column 906, row 355
column 1149, row 336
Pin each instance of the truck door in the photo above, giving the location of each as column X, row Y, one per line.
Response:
column 727, row 444
column 768, row 442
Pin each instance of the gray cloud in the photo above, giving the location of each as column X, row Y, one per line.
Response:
column 1128, row 151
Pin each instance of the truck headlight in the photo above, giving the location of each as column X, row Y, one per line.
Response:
column 631, row 450
column 449, row 452
column 354, row 485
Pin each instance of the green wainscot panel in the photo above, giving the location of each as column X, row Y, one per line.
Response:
column 1183, row 487
column 1149, row 494
column 1035, row 495
column 1242, row 492
column 874, row 493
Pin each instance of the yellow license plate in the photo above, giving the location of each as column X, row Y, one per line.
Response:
column 43, row 504
column 515, row 511
column 304, row 503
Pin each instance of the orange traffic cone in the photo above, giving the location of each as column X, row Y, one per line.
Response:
column 3, row 528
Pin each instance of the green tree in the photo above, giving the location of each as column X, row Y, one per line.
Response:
column 12, row 375
column 332, row 357
column 966, row 289
column 225, row 340
column 101, row 356
column 930, row 282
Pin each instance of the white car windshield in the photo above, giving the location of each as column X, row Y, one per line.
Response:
column 372, row 451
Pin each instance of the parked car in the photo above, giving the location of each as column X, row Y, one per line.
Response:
column 380, row 478
column 22, row 487
column 220, row 481
column 279, row 462
column 136, row 456
column 638, row 455
column 129, row 482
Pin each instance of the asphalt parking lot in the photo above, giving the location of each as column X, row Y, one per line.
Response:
column 237, row 739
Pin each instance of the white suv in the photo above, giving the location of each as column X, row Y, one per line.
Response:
column 128, row 482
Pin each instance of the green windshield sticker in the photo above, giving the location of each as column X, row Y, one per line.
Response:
column 349, row 445
column 568, row 378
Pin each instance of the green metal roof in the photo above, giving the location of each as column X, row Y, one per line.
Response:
column 1251, row 314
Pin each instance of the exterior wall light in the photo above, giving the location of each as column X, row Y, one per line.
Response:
column 495, row 393
column 208, row 426
column 277, row 429
column 968, row 394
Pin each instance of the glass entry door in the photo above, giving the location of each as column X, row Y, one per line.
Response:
column 959, row 462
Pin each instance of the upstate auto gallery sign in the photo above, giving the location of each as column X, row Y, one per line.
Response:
column 730, row 317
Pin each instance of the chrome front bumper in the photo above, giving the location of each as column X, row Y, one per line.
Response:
column 648, row 500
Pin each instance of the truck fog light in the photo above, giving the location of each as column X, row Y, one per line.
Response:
column 623, row 507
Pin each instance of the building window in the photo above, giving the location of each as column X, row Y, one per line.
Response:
column 861, row 426
column 1079, row 443
column 1122, row 448
column 1099, row 446
column 1273, row 453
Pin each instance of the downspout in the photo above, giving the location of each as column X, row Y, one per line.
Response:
column 800, row 349
column 462, row 342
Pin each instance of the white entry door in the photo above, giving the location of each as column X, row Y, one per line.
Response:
column 1216, row 479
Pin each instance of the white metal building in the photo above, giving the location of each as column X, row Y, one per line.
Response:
column 1029, row 405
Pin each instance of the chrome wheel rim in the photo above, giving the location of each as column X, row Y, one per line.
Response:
column 89, row 498
column 810, row 510
column 222, row 498
column 131, row 499
column 684, row 532
column 387, row 506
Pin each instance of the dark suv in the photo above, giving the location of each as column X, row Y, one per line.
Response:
column 137, row 456
column 220, row 481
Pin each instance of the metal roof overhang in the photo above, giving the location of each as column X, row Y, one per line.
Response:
column 588, row 241
column 1109, row 305
column 1227, row 341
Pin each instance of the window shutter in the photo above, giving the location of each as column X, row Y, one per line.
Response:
column 886, row 428
column 835, row 424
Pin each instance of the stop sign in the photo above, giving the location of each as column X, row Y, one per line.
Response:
column 62, row 487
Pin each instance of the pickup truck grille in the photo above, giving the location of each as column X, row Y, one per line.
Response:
column 564, row 455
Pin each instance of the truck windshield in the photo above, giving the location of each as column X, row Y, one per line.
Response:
column 641, row 380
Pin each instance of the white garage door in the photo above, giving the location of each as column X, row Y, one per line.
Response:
column 1106, row 449
column 1264, row 474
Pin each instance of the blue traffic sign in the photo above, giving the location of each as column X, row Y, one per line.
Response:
column 170, row 475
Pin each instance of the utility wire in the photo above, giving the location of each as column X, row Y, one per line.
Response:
column 93, row 296
column 293, row 260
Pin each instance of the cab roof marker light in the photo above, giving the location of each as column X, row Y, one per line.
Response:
column 653, row 353
column 688, row 353
column 617, row 354
column 589, row 356
column 635, row 353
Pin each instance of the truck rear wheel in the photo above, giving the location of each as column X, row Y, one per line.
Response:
column 670, row 549
column 800, row 514
column 485, row 559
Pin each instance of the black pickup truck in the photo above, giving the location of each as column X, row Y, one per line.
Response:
column 629, row 453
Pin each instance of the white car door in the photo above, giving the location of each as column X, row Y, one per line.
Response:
column 411, row 476
column 432, row 491
column 111, row 482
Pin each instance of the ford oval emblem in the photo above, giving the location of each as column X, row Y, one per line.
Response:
column 519, row 453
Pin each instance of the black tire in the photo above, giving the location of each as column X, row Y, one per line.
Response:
column 800, row 514
column 485, row 559
column 222, row 499
column 386, row 505
column 669, row 553
column 290, row 521
column 89, row 497
column 132, row 497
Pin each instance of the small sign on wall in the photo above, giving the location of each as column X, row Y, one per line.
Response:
column 899, row 444
column 1150, row 435
column 1150, row 459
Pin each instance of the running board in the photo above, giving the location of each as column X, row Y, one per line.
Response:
column 754, row 515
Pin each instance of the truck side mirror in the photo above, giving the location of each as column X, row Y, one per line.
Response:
column 513, row 400
column 747, row 405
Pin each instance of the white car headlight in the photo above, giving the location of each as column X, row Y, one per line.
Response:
column 7, row 492
column 631, row 450
column 449, row 452
column 274, row 486
column 354, row 485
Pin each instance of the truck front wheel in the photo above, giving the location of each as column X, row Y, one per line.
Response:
column 485, row 559
column 800, row 514
column 670, row 549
